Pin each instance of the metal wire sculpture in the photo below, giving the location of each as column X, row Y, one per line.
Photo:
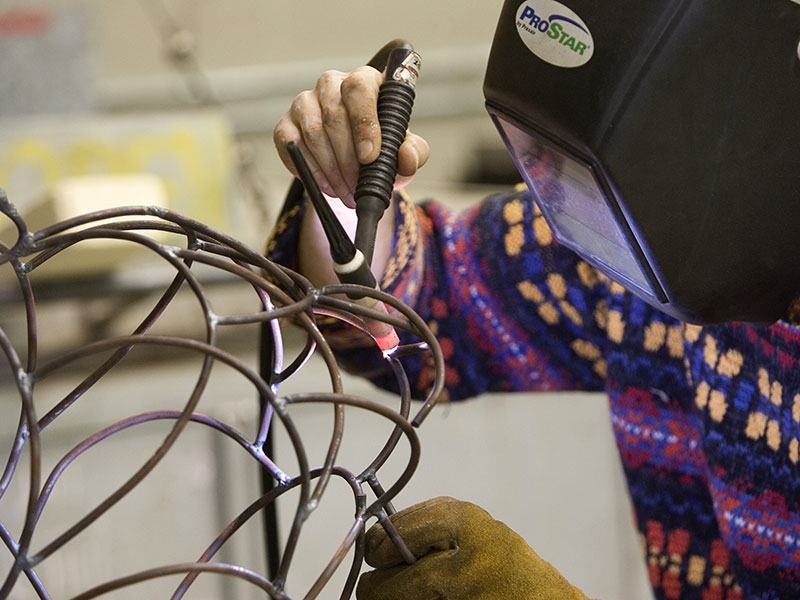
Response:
column 280, row 293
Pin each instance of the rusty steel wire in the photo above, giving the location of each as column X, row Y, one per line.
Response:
column 278, row 293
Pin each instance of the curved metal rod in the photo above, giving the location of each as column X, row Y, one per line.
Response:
column 338, row 427
column 379, row 504
column 139, row 475
column 47, row 248
column 394, row 437
column 25, row 389
column 283, row 275
column 360, row 310
column 355, row 568
column 31, row 338
column 23, row 236
column 283, row 294
column 250, row 511
column 210, row 353
column 33, row 578
column 221, row 568
column 114, row 359
column 259, row 317
column 301, row 359
column 28, row 528
column 30, row 313
column 277, row 364
column 356, row 529
column 420, row 328
column 305, row 505
column 17, row 445
column 127, row 423
column 424, row 332
column 384, row 411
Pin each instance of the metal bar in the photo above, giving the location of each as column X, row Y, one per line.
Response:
column 285, row 296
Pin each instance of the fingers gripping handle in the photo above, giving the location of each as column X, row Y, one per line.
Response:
column 395, row 100
column 376, row 180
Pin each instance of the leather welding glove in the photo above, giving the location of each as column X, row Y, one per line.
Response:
column 463, row 554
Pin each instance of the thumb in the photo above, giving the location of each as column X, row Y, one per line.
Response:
column 431, row 526
column 412, row 155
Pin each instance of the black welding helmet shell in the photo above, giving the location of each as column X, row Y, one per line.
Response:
column 661, row 141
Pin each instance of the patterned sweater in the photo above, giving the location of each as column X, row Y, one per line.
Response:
column 707, row 419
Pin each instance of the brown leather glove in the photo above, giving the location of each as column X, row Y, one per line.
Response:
column 463, row 554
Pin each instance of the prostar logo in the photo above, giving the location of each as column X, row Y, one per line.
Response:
column 554, row 33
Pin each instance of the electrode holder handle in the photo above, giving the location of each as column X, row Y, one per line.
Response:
column 395, row 101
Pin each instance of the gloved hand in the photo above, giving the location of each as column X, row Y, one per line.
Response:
column 463, row 554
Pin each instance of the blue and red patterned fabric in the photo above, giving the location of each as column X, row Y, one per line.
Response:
column 707, row 419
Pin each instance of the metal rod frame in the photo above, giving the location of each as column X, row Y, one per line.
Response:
column 279, row 293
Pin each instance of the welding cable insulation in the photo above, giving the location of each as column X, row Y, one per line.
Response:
column 266, row 366
column 376, row 180
column 349, row 263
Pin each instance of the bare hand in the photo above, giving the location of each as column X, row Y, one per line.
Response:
column 336, row 126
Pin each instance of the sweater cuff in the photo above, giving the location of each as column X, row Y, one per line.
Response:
column 281, row 245
column 402, row 277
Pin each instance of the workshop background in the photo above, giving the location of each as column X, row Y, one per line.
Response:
column 173, row 102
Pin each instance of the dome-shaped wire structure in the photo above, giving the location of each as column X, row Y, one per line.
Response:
column 279, row 293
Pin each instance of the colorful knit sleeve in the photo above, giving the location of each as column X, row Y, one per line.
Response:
column 512, row 309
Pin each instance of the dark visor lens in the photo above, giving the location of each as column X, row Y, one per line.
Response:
column 575, row 206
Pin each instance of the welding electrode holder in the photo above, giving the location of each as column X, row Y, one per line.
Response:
column 373, row 193
column 348, row 261
column 395, row 101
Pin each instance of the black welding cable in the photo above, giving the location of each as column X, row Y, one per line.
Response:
column 266, row 361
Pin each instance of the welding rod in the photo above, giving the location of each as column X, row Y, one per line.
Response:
column 349, row 263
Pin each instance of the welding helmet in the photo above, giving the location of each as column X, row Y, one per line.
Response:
column 661, row 141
